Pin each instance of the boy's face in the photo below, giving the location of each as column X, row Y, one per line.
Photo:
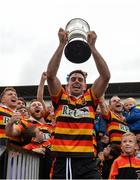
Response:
column 128, row 105
column 128, row 145
column 39, row 135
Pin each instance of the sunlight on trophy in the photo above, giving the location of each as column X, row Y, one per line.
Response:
column 77, row 50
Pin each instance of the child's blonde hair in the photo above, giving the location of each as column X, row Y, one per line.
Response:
column 129, row 134
column 130, row 99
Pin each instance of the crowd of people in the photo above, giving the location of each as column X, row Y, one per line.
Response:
column 80, row 135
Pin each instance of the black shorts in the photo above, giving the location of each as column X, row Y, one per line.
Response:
column 74, row 168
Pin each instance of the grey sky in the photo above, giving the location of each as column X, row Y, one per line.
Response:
column 28, row 38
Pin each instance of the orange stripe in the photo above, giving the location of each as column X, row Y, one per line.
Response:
column 75, row 125
column 72, row 142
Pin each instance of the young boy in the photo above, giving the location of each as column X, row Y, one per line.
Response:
column 126, row 166
column 132, row 114
column 40, row 143
column 36, row 140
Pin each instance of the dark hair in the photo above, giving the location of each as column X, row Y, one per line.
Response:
column 115, row 150
column 28, row 133
column 84, row 74
column 23, row 100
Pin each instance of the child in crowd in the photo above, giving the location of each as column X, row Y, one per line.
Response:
column 102, row 142
column 132, row 114
column 40, row 143
column 36, row 140
column 100, row 123
column 106, row 157
column 126, row 166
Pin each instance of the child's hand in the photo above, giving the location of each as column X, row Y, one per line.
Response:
column 39, row 150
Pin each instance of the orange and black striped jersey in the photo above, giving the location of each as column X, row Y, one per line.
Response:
column 5, row 115
column 125, row 167
column 116, row 127
column 73, row 133
column 25, row 123
column 33, row 145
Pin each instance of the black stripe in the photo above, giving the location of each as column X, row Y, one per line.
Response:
column 73, row 137
column 5, row 114
column 118, row 121
column 116, row 131
column 74, row 120
column 72, row 154
column 71, row 106
column 23, row 124
column 2, row 126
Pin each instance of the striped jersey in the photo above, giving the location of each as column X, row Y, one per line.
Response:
column 73, row 133
column 47, row 129
column 116, row 127
column 5, row 115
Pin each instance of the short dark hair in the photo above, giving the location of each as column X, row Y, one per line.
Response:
column 23, row 100
column 28, row 133
column 84, row 74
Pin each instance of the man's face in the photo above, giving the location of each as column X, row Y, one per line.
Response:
column 10, row 99
column 36, row 109
column 128, row 145
column 76, row 84
column 116, row 104
column 20, row 103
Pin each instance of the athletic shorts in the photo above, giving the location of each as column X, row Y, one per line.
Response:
column 74, row 168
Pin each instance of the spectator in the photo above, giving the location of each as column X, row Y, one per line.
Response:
column 100, row 123
column 35, row 140
column 23, row 111
column 21, row 102
column 36, row 118
column 7, row 107
column 39, row 143
column 102, row 142
column 132, row 114
column 49, row 110
column 126, row 166
column 75, row 107
column 117, row 125
column 107, row 157
column 128, row 103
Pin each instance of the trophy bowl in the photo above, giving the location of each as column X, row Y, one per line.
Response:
column 77, row 50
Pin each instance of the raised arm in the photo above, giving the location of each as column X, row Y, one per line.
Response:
column 54, row 84
column 101, row 83
column 40, row 90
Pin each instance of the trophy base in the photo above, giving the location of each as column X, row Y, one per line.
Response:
column 77, row 51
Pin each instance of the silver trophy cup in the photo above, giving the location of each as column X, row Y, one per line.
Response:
column 77, row 50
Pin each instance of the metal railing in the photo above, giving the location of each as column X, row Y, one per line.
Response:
column 17, row 163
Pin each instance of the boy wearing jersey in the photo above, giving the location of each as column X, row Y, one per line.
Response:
column 126, row 166
column 74, row 145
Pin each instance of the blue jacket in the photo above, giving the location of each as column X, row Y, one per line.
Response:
column 100, row 124
column 133, row 118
